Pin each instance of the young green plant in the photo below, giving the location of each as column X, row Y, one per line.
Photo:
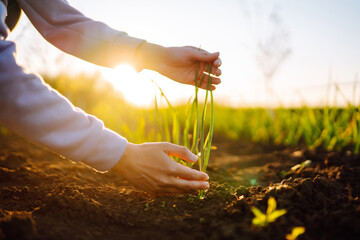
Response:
column 270, row 216
column 196, row 116
column 201, row 141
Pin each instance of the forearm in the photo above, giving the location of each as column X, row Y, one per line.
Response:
column 150, row 56
column 31, row 108
column 72, row 32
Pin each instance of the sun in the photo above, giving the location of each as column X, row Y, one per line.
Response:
column 136, row 88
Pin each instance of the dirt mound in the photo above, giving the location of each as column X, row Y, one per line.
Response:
column 43, row 196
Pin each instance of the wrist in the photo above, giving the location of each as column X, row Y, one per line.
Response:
column 149, row 56
column 125, row 158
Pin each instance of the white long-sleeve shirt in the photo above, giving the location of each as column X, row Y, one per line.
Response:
column 33, row 109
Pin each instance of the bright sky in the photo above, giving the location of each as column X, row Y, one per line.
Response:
column 324, row 37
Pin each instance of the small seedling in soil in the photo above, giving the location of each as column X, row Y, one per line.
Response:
column 283, row 174
column 191, row 199
column 271, row 215
column 296, row 169
column 296, row 231
column 299, row 167
column 201, row 141
column 146, row 206
column 162, row 204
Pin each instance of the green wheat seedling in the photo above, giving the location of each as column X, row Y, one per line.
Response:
column 199, row 142
column 170, row 131
column 270, row 216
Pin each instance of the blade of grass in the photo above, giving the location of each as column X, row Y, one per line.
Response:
column 196, row 132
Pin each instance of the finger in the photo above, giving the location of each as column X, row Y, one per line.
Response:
column 198, row 49
column 215, row 71
column 177, row 185
column 214, row 81
column 207, row 68
column 217, row 63
column 186, row 185
column 190, row 174
column 166, row 186
column 203, row 56
column 206, row 87
column 167, row 191
column 180, row 151
column 206, row 79
column 205, row 71
column 170, row 190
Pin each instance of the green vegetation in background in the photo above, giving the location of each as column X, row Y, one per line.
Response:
column 331, row 127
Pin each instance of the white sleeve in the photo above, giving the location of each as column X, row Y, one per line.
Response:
column 72, row 32
column 33, row 109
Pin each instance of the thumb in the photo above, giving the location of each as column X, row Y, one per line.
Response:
column 179, row 151
column 204, row 56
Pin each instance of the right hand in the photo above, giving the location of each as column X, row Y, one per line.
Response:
column 148, row 167
column 180, row 63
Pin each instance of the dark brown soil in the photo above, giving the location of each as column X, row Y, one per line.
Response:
column 43, row 196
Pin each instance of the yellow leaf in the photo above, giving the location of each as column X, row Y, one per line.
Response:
column 271, row 205
column 296, row 231
column 257, row 212
column 274, row 215
column 258, row 222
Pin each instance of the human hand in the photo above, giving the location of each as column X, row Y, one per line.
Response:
column 181, row 63
column 148, row 167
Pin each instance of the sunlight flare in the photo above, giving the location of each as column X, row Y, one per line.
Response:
column 136, row 88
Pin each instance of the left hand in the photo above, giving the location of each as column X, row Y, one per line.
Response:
column 180, row 63
column 149, row 167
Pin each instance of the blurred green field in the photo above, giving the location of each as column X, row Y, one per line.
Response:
column 333, row 128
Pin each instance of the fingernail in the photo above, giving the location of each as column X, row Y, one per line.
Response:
column 207, row 185
column 206, row 176
column 194, row 158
